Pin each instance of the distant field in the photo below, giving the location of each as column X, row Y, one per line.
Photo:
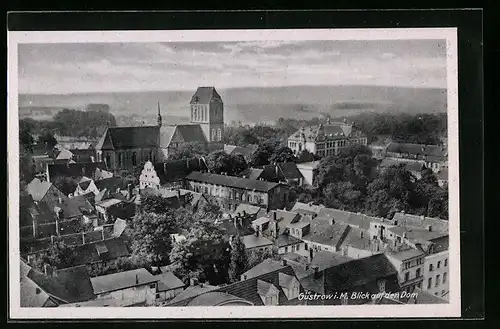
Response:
column 251, row 105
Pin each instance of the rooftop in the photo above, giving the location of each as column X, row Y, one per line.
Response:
column 122, row 280
column 406, row 254
column 214, row 298
column 252, row 241
column 323, row 232
column 168, row 281
column 108, row 203
column 231, row 181
column 284, row 240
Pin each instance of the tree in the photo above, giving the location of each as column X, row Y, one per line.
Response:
column 188, row 150
column 305, row 156
column 151, row 241
column 204, row 254
column 239, row 260
column 256, row 256
column 283, row 154
column 208, row 213
column 58, row 255
column 220, row 162
column 343, row 195
column 329, row 170
column 155, row 204
column 48, row 140
column 262, row 155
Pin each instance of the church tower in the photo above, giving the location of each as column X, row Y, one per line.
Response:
column 158, row 119
column 207, row 110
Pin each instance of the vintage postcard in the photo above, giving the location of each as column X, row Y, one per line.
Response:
column 233, row 174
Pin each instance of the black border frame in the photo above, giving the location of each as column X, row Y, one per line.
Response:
column 470, row 71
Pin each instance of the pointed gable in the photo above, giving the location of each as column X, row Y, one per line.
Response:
column 204, row 95
column 105, row 142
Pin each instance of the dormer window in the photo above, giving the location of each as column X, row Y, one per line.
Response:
column 268, row 293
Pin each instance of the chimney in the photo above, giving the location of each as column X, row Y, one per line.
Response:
column 316, row 272
column 137, row 279
column 283, row 262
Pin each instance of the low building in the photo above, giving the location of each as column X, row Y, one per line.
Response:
column 308, row 171
column 254, row 242
column 228, row 192
column 434, row 156
column 246, row 151
column 286, row 172
column 326, row 139
column 413, row 166
column 274, row 288
column 133, row 287
column 31, row 294
column 353, row 282
column 168, row 287
column 442, row 177
column 110, row 209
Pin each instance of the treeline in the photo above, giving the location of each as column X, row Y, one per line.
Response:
column 350, row 181
column 71, row 123
column 419, row 128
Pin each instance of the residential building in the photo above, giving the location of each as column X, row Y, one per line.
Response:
column 308, row 171
column 442, row 177
column 326, row 139
column 435, row 156
column 31, row 294
column 169, row 174
column 168, row 287
column 273, row 288
column 229, row 192
column 437, row 268
column 379, row 148
column 246, row 151
column 254, row 242
column 286, row 172
column 110, row 209
column 135, row 287
column 249, row 212
column 413, row 166
column 410, row 266
column 126, row 147
column 63, row 286
column 362, row 277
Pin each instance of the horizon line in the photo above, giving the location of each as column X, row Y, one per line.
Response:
column 224, row 88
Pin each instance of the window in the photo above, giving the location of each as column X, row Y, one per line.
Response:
column 134, row 159
column 446, row 262
column 431, row 267
column 439, row 264
column 437, row 280
column 286, row 249
column 305, row 246
column 445, row 274
column 417, row 273
column 429, row 283
column 407, row 276
column 219, row 134
column 157, row 296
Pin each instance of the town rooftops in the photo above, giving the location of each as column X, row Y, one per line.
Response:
column 31, row 294
column 424, row 297
column 440, row 244
column 414, row 221
column 98, row 251
column 261, row 220
column 331, row 131
column 405, row 255
column 215, row 298
column 252, row 241
column 37, row 188
column 204, row 95
column 280, row 171
column 307, row 206
column 168, row 281
column 416, row 234
column 443, row 175
column 67, row 285
column 121, row 280
column 266, row 266
column 73, row 170
column 354, row 219
column 251, row 173
column 416, row 149
column 284, row 240
column 173, row 170
column 245, row 151
column 324, row 233
column 109, row 203
column 231, row 181
column 308, row 165
column 190, row 292
column 244, row 208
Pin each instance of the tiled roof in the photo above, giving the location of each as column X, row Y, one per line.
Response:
column 281, row 171
column 251, row 173
column 244, row 208
column 231, row 181
column 168, row 281
column 355, row 273
column 109, row 203
column 286, row 280
column 191, row 133
column 64, row 155
column 73, row 170
column 284, row 240
column 122, row 280
column 306, row 206
column 38, row 188
column 354, row 219
column 414, row 221
column 326, row 259
column 214, row 298
column 311, row 133
column 416, row 149
column 441, row 243
column 323, row 232
column 204, row 95
column 409, row 164
column 252, row 241
column 112, row 184
column 406, row 254
column 357, row 238
column 88, row 253
column 189, row 293
column 308, row 165
column 261, row 220
column 117, row 138
column 31, row 294
column 245, row 151
column 69, row 285
column 166, row 134
column 266, row 266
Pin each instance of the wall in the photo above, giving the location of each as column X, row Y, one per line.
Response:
column 356, row 253
column 409, row 267
column 133, row 295
column 434, row 259
column 296, row 248
column 308, row 174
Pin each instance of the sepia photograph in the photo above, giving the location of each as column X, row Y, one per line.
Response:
column 163, row 174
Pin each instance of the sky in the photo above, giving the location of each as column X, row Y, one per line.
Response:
column 114, row 67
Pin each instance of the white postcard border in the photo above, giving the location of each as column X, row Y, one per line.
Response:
column 452, row 309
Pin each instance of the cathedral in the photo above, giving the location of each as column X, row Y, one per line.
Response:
column 127, row 147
